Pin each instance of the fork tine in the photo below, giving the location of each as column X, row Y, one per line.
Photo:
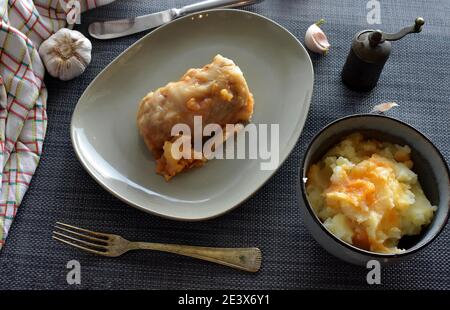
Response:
column 99, row 246
column 80, row 247
column 82, row 235
column 95, row 233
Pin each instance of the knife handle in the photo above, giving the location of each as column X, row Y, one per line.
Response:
column 213, row 4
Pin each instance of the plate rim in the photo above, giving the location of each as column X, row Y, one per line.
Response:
column 290, row 143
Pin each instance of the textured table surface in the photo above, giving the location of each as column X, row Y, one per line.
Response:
column 417, row 77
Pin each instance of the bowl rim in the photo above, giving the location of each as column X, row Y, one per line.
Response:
column 317, row 221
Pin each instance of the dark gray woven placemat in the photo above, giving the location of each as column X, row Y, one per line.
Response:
column 417, row 77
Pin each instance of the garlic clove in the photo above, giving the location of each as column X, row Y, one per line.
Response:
column 316, row 40
column 66, row 54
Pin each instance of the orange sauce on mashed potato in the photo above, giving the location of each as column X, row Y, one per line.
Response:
column 366, row 194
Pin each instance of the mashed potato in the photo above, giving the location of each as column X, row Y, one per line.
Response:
column 366, row 194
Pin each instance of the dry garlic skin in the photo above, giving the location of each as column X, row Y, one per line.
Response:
column 366, row 194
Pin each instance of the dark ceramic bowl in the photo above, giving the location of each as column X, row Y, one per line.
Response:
column 429, row 165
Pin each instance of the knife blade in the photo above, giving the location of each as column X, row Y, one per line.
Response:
column 123, row 27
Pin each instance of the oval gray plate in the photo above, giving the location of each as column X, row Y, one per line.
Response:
column 104, row 134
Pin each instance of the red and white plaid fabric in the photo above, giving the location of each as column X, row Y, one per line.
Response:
column 24, row 24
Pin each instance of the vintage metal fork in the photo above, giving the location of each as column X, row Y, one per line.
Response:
column 247, row 259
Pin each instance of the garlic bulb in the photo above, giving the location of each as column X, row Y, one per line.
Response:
column 66, row 54
column 315, row 38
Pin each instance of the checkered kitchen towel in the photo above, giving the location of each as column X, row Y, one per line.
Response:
column 24, row 24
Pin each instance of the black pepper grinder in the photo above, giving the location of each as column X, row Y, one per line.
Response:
column 370, row 51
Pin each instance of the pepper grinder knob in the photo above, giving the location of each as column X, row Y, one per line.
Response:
column 419, row 23
column 375, row 38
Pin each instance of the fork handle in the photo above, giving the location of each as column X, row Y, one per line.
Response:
column 247, row 259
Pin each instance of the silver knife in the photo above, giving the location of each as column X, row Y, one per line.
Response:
column 123, row 27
